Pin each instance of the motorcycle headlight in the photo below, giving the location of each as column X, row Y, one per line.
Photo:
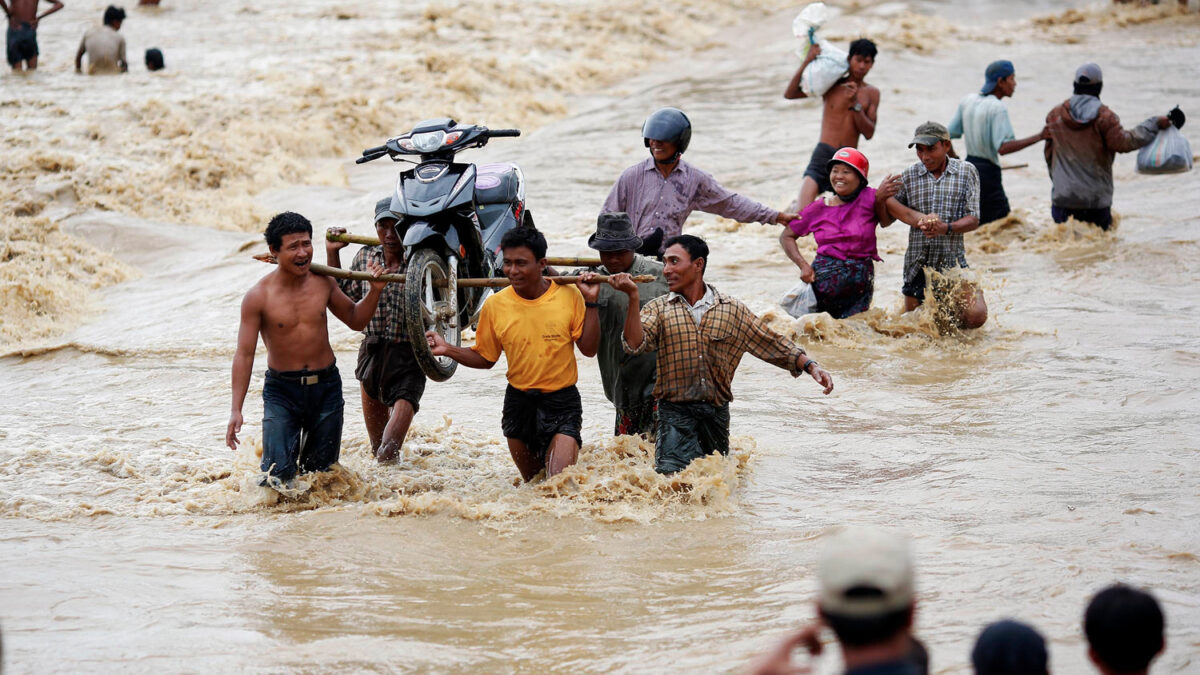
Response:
column 429, row 141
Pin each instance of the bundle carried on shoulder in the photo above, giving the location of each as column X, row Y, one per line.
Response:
column 1169, row 152
column 831, row 64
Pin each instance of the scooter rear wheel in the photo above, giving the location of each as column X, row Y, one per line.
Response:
column 430, row 306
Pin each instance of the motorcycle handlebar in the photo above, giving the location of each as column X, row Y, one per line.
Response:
column 493, row 133
column 370, row 158
column 375, row 150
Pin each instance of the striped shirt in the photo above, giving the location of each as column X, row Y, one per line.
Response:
column 696, row 362
column 953, row 196
column 654, row 202
column 388, row 322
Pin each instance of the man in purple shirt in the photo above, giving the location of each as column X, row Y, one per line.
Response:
column 660, row 193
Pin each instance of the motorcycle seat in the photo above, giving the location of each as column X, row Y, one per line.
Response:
column 497, row 183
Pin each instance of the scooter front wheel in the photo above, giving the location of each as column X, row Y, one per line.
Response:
column 430, row 304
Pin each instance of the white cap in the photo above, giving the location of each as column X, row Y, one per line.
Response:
column 865, row 571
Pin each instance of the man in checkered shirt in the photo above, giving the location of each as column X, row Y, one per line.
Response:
column 391, row 380
column 939, row 198
column 700, row 336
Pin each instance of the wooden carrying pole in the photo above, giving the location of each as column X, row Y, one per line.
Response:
column 499, row 282
column 373, row 241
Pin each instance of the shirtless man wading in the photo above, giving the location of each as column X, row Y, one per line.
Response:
column 21, row 36
column 851, row 106
column 303, row 391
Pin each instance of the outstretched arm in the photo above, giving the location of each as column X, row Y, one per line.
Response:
column 243, row 362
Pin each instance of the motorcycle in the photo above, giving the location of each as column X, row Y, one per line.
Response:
column 451, row 217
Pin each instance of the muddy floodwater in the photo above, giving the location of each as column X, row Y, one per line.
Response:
column 1050, row 453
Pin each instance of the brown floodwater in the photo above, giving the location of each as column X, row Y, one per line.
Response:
column 1033, row 461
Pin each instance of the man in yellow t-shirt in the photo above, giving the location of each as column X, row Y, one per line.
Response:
column 537, row 324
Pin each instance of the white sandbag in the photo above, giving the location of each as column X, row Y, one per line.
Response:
column 1169, row 152
column 800, row 300
column 831, row 64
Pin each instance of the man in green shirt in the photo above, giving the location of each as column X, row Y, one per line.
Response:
column 628, row 380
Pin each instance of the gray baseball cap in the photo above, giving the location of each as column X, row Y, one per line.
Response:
column 865, row 571
column 383, row 209
column 1088, row 73
column 930, row 133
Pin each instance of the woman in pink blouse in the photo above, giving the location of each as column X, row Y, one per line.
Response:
column 843, row 223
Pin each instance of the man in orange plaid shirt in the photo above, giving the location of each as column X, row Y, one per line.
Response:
column 700, row 336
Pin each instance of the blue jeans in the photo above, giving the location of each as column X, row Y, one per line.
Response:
column 302, row 421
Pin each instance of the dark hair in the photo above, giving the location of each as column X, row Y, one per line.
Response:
column 864, row 47
column 113, row 13
column 527, row 237
column 154, row 59
column 287, row 222
column 863, row 631
column 695, row 247
column 1092, row 89
column 1010, row 648
column 1124, row 627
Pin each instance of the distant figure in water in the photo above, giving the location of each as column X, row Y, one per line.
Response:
column 21, row 36
column 851, row 107
column 843, row 272
column 302, row 393
column 1125, row 630
column 1085, row 136
column 390, row 379
column 983, row 120
column 939, row 198
column 660, row 192
column 1010, row 648
column 104, row 46
column 700, row 336
column 154, row 59
column 866, row 597
column 536, row 324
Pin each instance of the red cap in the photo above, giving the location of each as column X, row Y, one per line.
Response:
column 854, row 158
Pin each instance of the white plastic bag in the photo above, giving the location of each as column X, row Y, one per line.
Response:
column 1169, row 152
column 806, row 23
column 831, row 64
column 800, row 300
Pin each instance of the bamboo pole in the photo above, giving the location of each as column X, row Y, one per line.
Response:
column 374, row 241
column 501, row 282
column 495, row 282
column 1014, row 166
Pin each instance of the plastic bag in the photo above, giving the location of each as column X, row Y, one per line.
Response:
column 806, row 23
column 1169, row 152
column 831, row 64
column 801, row 300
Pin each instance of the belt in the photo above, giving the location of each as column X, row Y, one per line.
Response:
column 304, row 377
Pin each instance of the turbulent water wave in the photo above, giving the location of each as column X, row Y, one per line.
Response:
column 445, row 469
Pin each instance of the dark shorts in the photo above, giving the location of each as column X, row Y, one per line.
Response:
column 843, row 287
column 818, row 167
column 916, row 287
column 389, row 372
column 993, row 203
column 1101, row 218
column 302, row 421
column 687, row 431
column 22, row 43
column 535, row 417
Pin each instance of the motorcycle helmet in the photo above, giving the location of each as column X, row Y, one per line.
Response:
column 670, row 125
column 853, row 159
